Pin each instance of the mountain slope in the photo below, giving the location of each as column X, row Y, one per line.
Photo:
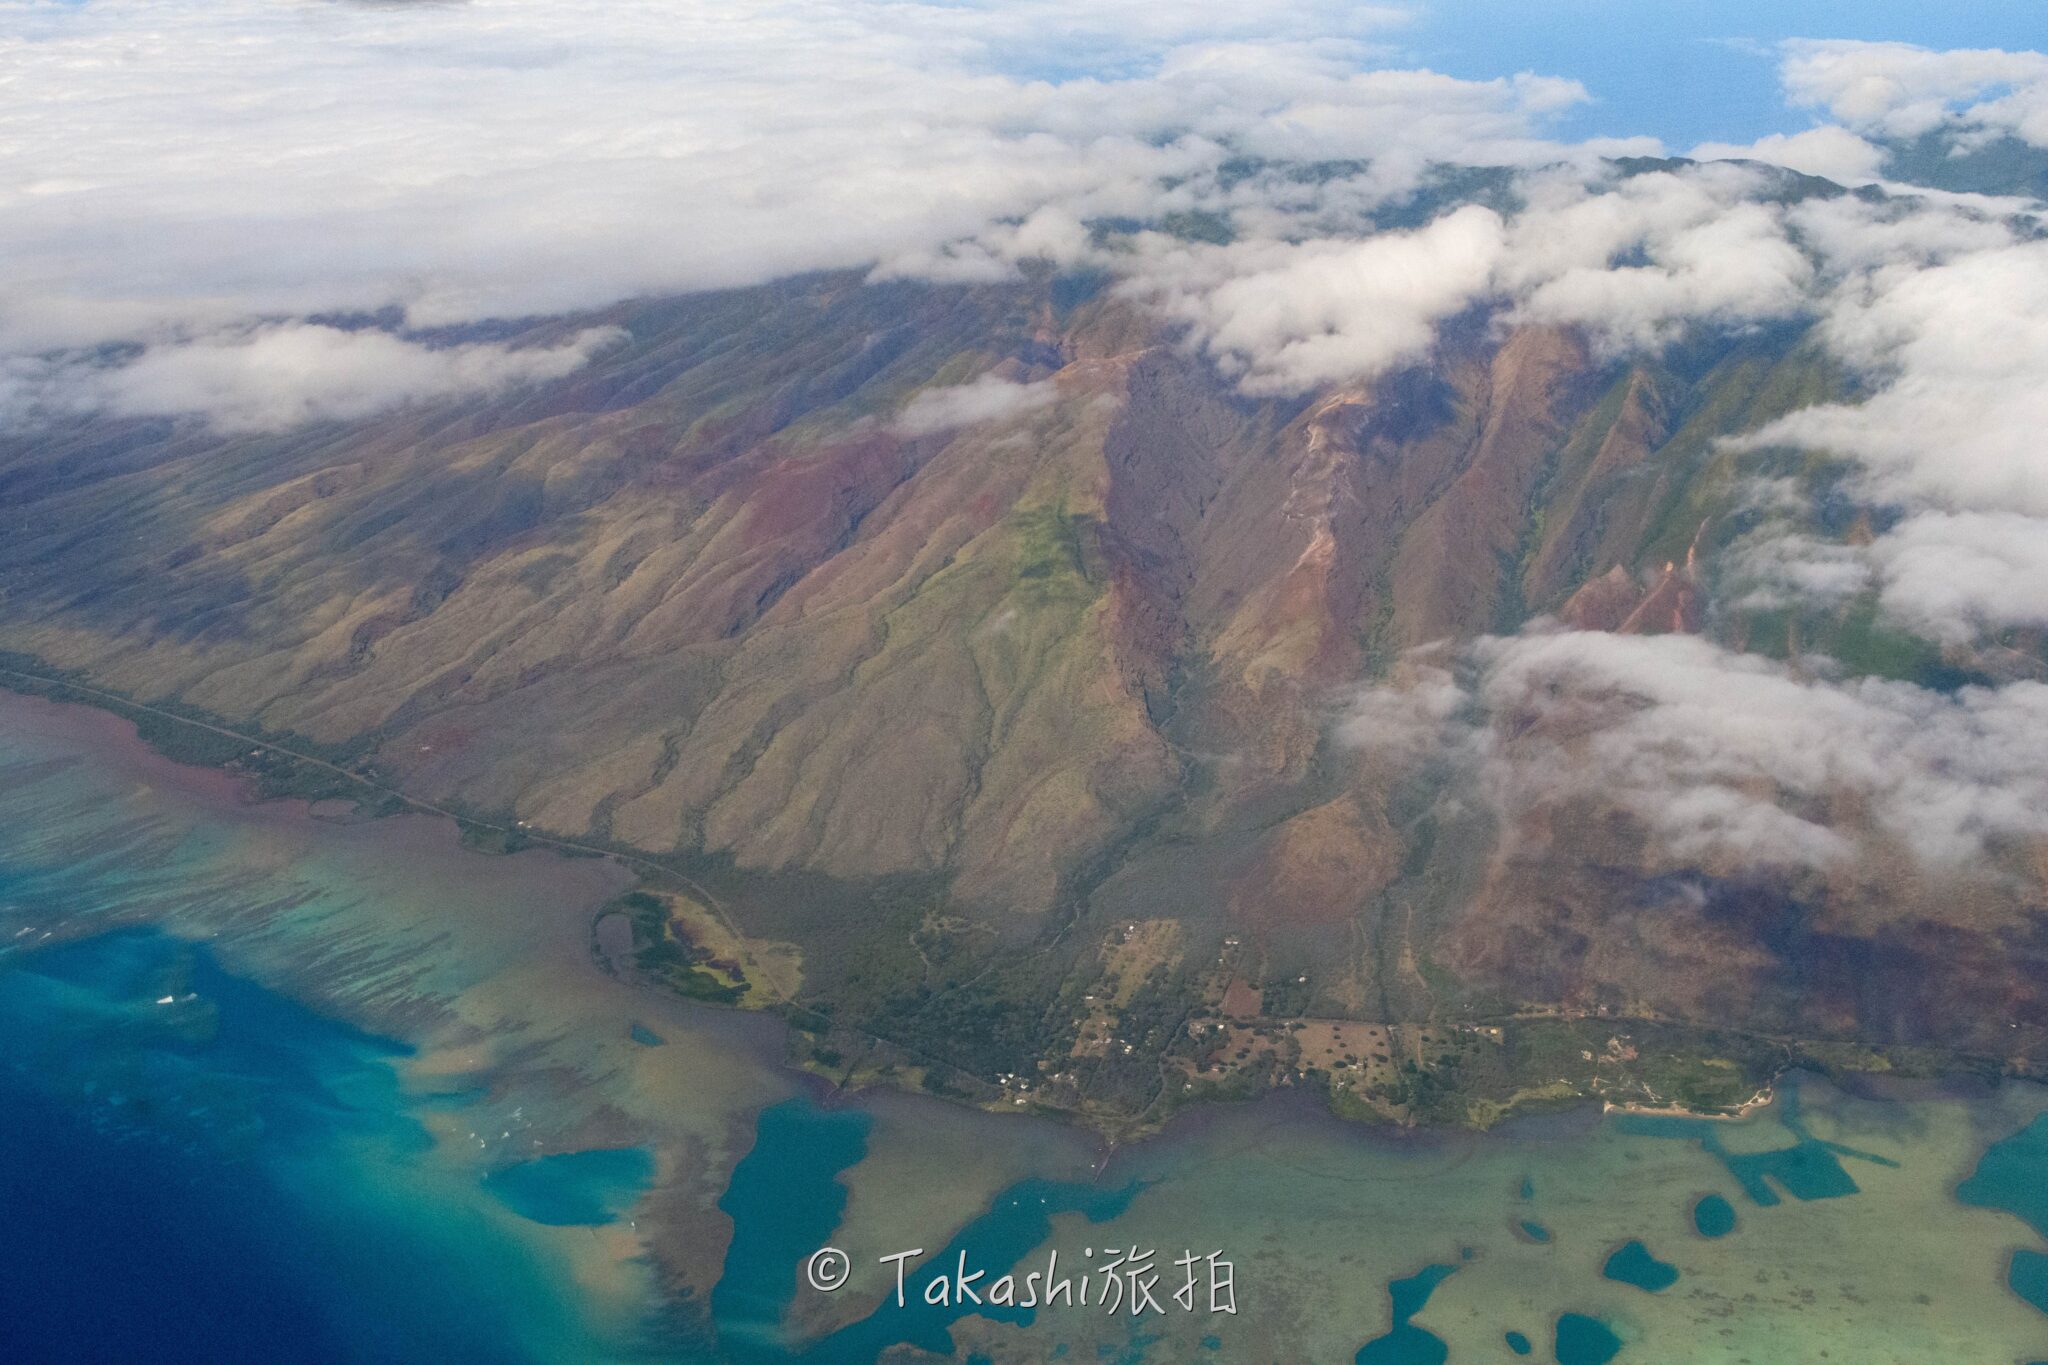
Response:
column 723, row 594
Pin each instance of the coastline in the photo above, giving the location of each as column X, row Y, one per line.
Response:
column 495, row 990
column 512, row 1043
column 144, row 728
column 1763, row 1099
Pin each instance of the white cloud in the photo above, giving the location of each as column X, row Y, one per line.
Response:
column 173, row 168
column 1829, row 152
column 1949, row 575
column 1965, row 345
column 1633, row 260
column 1730, row 758
column 1412, row 715
column 1637, row 261
column 987, row 398
column 1947, row 315
column 223, row 158
column 1778, row 568
column 273, row 377
column 1287, row 316
column 1898, row 90
column 1855, row 237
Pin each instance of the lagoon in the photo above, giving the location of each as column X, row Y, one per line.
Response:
column 369, row 1086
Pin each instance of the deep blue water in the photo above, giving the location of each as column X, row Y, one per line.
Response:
column 114, row 1251
column 228, row 1177
column 187, row 1181
column 785, row 1199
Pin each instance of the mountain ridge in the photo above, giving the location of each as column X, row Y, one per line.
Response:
column 1076, row 661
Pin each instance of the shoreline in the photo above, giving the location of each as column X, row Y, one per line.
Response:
column 224, row 785
column 1761, row 1100
column 927, row 1170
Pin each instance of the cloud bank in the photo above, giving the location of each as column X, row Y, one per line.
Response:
column 178, row 172
column 1728, row 759
column 1901, row 91
column 182, row 173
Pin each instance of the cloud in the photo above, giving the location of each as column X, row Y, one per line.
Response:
column 1632, row 260
column 985, row 399
column 1946, row 316
column 273, row 377
column 1287, row 316
column 1731, row 758
column 1829, row 152
column 176, row 167
column 1415, row 714
column 1854, row 237
column 1951, row 575
column 1638, row 261
column 1964, row 346
column 1777, row 568
column 1941, row 308
column 1901, row 91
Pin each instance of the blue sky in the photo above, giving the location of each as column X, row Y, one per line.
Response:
column 1685, row 70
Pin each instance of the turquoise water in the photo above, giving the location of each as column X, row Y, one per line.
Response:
column 2013, row 1176
column 1519, row 1344
column 1633, row 1264
column 1018, row 1221
column 2029, row 1277
column 785, row 1199
column 1405, row 1343
column 1713, row 1216
column 1808, row 1169
column 206, row 1178
column 1583, row 1340
column 1535, row 1232
column 575, row 1189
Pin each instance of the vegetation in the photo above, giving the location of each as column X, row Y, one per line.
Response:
column 668, row 956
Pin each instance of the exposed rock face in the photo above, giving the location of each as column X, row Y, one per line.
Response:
column 1603, row 603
